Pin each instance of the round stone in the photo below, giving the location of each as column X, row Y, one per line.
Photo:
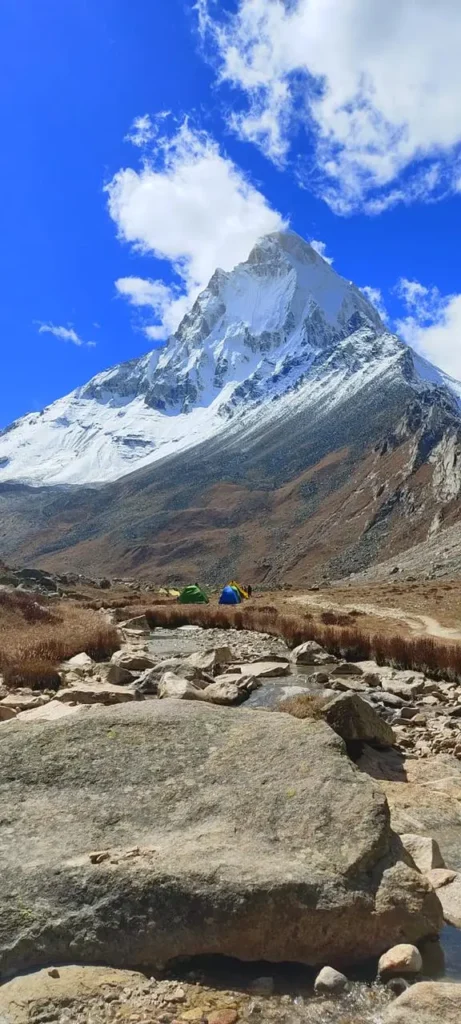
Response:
column 401, row 959
column 330, row 980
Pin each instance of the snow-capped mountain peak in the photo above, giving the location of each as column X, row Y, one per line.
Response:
column 282, row 327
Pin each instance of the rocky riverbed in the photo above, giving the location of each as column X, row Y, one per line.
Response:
column 188, row 821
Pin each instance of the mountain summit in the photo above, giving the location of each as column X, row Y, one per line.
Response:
column 282, row 434
column 280, row 331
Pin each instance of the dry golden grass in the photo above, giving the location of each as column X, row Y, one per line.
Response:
column 303, row 705
column 37, row 634
column 426, row 654
column 440, row 599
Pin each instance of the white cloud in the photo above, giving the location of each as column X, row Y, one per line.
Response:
column 377, row 84
column 432, row 324
column 193, row 207
column 142, row 292
column 65, row 334
column 375, row 296
column 145, row 129
column 321, row 248
column 168, row 304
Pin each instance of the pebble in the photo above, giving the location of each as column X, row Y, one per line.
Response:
column 330, row 980
column 401, row 959
column 223, row 1017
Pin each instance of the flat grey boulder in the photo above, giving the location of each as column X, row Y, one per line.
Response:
column 354, row 720
column 428, row 1002
column 266, row 669
column 95, row 693
column 222, row 831
column 132, row 661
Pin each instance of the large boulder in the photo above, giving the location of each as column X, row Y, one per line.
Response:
column 428, row 1002
column 211, row 660
column 171, row 685
column 224, row 832
column 354, row 720
column 224, row 693
column 311, row 653
column 132, row 661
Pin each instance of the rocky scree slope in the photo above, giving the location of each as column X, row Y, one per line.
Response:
column 282, row 429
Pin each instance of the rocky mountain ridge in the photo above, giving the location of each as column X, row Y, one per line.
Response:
column 281, row 330
column 298, row 439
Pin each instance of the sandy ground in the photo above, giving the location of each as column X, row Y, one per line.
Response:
column 420, row 625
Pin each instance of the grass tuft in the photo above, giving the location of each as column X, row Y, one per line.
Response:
column 303, row 705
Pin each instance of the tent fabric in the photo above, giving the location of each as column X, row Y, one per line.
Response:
column 230, row 596
column 240, row 590
column 193, row 595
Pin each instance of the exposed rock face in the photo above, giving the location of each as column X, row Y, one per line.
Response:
column 450, row 898
column 428, row 1002
column 354, row 719
column 256, row 837
column 424, row 850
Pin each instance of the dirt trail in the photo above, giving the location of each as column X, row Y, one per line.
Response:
column 422, row 625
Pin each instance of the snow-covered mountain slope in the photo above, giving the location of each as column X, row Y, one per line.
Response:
column 281, row 332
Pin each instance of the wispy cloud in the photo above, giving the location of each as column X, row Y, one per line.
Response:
column 145, row 128
column 65, row 334
column 375, row 86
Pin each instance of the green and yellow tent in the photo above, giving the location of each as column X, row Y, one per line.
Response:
column 193, row 595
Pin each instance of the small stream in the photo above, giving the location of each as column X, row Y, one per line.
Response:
column 294, row 1001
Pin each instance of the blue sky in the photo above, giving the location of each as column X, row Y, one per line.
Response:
column 340, row 117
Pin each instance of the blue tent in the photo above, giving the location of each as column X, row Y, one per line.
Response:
column 230, row 596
